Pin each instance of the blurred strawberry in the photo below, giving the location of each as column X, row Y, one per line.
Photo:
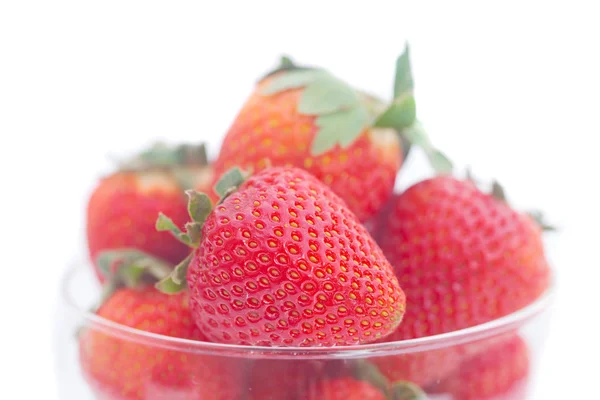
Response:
column 345, row 389
column 308, row 118
column 125, row 365
column 424, row 368
column 123, row 208
column 462, row 256
column 499, row 372
column 281, row 261
column 291, row 379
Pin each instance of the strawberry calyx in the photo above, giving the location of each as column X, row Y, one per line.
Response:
column 340, row 115
column 366, row 371
column 540, row 219
column 199, row 207
column 181, row 161
column 130, row 268
column 401, row 116
column 403, row 390
column 162, row 155
column 400, row 390
column 343, row 113
column 285, row 64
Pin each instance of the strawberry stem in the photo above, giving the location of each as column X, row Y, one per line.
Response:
column 229, row 182
column 403, row 390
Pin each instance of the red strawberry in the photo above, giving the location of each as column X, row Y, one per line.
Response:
column 463, row 257
column 123, row 208
column 423, row 368
column 282, row 261
column 345, row 389
column 499, row 372
column 307, row 118
column 122, row 366
column 287, row 379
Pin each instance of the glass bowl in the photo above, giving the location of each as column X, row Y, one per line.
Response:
column 494, row 360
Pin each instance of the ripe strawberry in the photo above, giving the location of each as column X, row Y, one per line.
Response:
column 423, row 368
column 119, row 366
column 307, row 118
column 345, row 389
column 499, row 372
column 282, row 261
column 291, row 379
column 463, row 257
column 122, row 209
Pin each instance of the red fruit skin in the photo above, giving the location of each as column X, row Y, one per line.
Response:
column 270, row 127
column 462, row 257
column 283, row 262
column 122, row 212
column 345, row 389
column 499, row 372
column 291, row 379
column 124, row 368
column 424, row 368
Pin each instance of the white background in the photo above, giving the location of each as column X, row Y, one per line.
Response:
column 511, row 89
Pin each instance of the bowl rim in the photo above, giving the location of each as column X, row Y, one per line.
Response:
column 507, row 323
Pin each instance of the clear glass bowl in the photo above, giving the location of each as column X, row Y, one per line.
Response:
column 462, row 362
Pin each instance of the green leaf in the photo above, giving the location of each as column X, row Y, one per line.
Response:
column 286, row 62
column 194, row 232
column 105, row 260
column 292, row 79
column 133, row 266
column 540, row 219
column 131, row 274
column 498, row 191
column 325, row 95
column 404, row 80
column 440, row 163
column 230, row 179
column 400, row 114
column 166, row 224
column 402, row 390
column 416, row 135
column 162, row 155
column 190, row 154
column 176, row 281
column 342, row 127
column 199, row 206
column 168, row 286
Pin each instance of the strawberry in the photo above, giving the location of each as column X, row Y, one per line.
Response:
column 350, row 388
column 462, row 256
column 308, row 118
column 345, row 389
column 424, row 368
column 499, row 372
column 122, row 209
column 287, row 379
column 282, row 261
column 123, row 367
